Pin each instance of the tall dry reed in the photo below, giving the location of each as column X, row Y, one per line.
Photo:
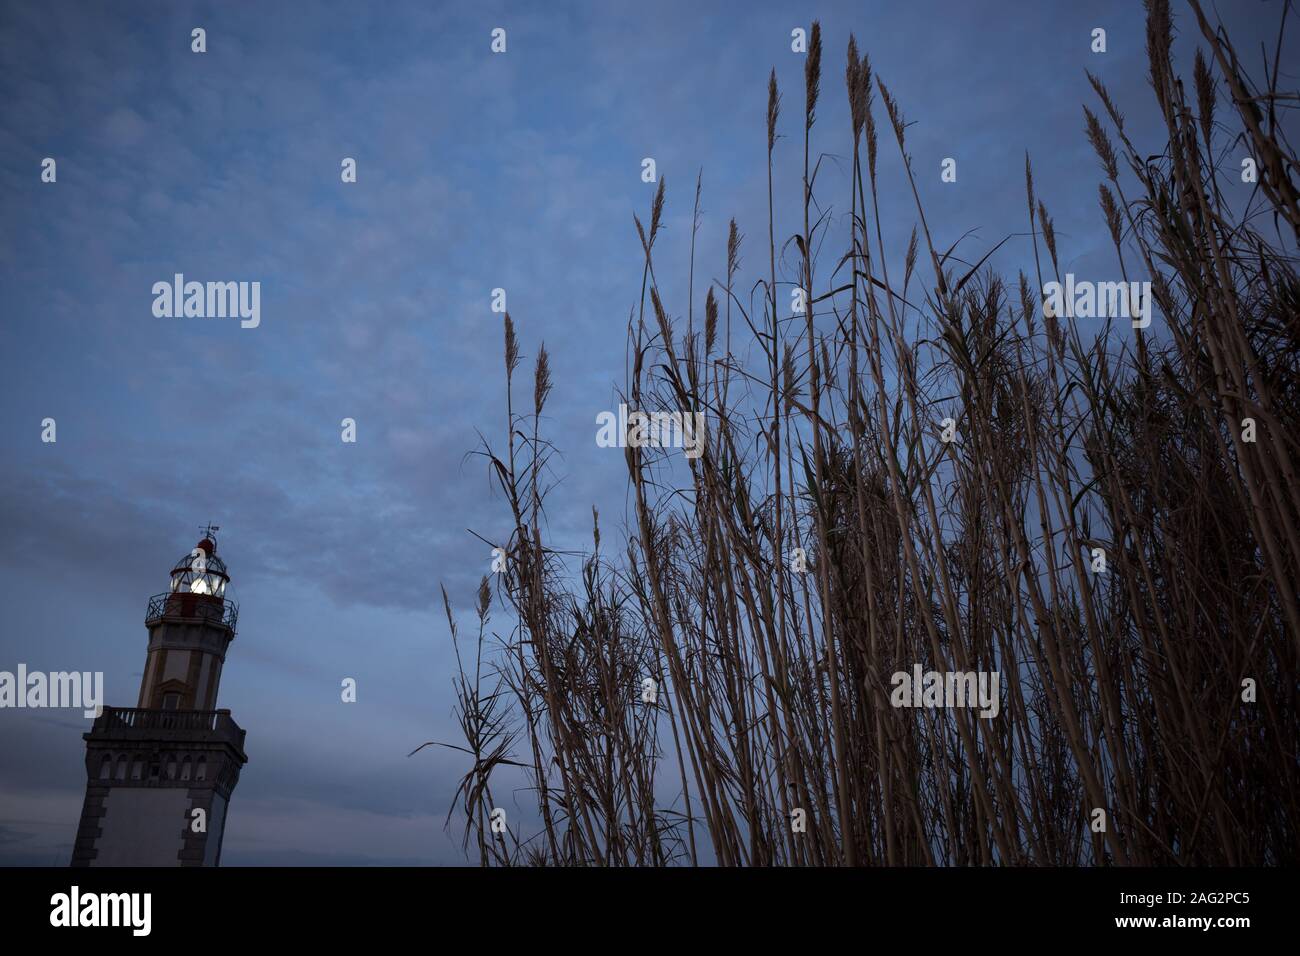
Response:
column 1121, row 690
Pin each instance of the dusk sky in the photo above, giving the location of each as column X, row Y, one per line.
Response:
column 475, row 171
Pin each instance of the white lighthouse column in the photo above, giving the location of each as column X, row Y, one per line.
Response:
column 160, row 775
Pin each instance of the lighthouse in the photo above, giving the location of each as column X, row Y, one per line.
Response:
column 159, row 775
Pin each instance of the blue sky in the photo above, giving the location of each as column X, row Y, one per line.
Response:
column 475, row 171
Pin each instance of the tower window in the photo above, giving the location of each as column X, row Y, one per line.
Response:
column 106, row 767
column 171, row 701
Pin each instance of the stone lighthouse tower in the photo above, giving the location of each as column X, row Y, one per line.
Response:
column 160, row 774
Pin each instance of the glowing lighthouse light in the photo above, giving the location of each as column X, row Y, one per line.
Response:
column 201, row 571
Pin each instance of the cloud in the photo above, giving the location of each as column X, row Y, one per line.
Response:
column 124, row 128
column 474, row 172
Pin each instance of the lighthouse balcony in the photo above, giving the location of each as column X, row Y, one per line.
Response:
column 187, row 726
column 187, row 606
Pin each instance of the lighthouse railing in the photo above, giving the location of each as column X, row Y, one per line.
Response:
column 139, row 721
column 189, row 606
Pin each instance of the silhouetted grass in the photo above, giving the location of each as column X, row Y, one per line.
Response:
column 1121, row 690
